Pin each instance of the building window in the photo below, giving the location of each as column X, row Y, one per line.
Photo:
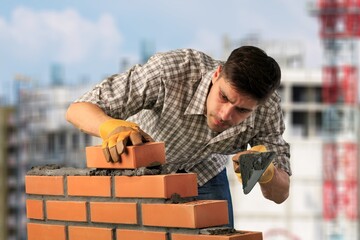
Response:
column 87, row 139
column 299, row 94
column 318, row 94
column 62, row 141
column 51, row 143
column 75, row 141
column 300, row 123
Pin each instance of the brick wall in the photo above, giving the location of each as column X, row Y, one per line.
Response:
column 104, row 202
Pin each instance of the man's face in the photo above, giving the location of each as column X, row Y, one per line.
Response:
column 225, row 106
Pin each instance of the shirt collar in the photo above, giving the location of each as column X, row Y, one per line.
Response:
column 198, row 101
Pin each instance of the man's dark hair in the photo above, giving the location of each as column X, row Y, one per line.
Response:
column 251, row 71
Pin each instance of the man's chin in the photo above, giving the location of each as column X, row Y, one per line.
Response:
column 217, row 128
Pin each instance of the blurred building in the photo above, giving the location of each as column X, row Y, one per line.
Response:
column 147, row 49
column 40, row 136
column 7, row 172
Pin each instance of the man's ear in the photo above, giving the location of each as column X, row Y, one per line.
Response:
column 216, row 74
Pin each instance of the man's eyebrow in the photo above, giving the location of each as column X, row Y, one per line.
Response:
column 224, row 95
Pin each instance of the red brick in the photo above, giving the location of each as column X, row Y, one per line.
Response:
column 99, row 186
column 89, row 233
column 156, row 186
column 34, row 209
column 37, row 231
column 125, row 234
column 241, row 235
column 113, row 212
column 44, row 185
column 197, row 214
column 134, row 157
column 66, row 210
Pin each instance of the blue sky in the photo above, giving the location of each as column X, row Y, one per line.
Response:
column 89, row 38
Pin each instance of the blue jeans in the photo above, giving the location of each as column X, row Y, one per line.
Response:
column 218, row 188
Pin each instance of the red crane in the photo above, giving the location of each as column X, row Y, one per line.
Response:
column 339, row 31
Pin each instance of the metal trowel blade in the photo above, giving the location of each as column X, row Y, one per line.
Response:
column 252, row 166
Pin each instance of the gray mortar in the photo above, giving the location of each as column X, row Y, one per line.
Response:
column 58, row 170
column 176, row 198
column 218, row 231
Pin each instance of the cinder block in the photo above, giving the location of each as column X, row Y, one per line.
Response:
column 156, row 186
column 89, row 233
column 36, row 231
column 44, row 185
column 97, row 186
column 125, row 234
column 34, row 209
column 66, row 210
column 113, row 212
column 134, row 156
column 196, row 214
column 241, row 235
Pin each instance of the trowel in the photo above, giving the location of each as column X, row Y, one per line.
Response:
column 252, row 166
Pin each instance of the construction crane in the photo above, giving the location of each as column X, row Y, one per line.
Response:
column 339, row 31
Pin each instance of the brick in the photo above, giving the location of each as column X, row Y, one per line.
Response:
column 44, row 185
column 66, row 210
column 125, row 234
column 156, row 186
column 241, row 235
column 97, row 186
column 89, row 233
column 134, row 157
column 113, row 212
column 196, row 214
column 35, row 209
column 37, row 231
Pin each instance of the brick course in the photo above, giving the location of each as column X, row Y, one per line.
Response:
column 149, row 207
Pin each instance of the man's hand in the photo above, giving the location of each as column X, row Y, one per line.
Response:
column 116, row 135
column 267, row 175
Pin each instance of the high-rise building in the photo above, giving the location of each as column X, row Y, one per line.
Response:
column 7, row 168
column 340, row 32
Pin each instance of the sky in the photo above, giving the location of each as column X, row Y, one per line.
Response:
column 89, row 38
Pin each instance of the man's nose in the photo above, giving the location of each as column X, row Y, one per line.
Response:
column 226, row 113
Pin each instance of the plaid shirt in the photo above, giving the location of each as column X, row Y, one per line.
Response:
column 167, row 97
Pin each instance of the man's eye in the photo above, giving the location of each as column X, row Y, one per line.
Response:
column 242, row 110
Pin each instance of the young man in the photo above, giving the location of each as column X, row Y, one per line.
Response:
column 203, row 109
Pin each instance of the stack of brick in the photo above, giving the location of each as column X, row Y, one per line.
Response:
column 76, row 204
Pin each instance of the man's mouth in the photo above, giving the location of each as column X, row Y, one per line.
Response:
column 220, row 123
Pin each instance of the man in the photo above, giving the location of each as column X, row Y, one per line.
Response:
column 203, row 109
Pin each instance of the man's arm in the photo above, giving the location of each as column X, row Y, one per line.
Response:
column 277, row 189
column 87, row 117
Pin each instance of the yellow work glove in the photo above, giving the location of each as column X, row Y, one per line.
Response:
column 116, row 134
column 267, row 175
